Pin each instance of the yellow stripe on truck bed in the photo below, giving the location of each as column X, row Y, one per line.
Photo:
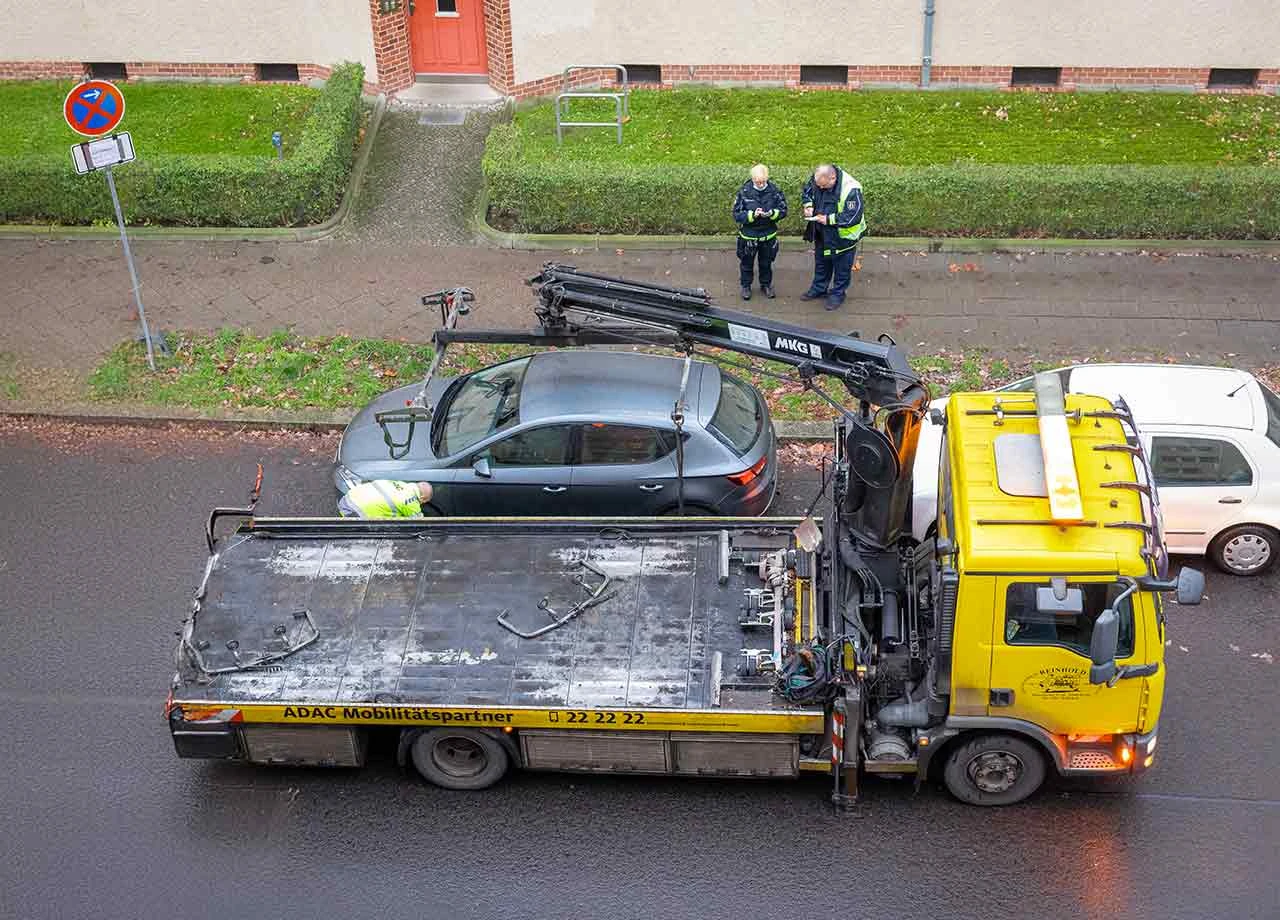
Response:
column 795, row 722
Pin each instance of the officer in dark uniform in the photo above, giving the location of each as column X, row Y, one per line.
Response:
column 834, row 222
column 757, row 209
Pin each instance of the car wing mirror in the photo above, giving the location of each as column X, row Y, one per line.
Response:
column 1102, row 647
column 481, row 467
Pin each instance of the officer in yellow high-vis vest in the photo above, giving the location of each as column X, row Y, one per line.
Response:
column 834, row 221
column 385, row 498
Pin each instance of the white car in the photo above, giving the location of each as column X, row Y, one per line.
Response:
column 1213, row 437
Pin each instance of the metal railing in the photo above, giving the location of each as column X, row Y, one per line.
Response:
column 621, row 97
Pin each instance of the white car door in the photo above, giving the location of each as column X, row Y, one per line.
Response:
column 1205, row 481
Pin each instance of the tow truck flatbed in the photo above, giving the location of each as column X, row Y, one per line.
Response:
column 320, row 621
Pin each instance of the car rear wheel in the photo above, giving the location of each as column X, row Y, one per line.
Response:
column 1245, row 550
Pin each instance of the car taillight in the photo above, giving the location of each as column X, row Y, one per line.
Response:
column 741, row 479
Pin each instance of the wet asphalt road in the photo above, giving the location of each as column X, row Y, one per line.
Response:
column 100, row 546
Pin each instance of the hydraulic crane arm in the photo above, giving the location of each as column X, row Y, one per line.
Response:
column 875, row 373
column 878, row 449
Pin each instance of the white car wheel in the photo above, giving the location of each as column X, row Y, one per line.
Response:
column 1245, row 550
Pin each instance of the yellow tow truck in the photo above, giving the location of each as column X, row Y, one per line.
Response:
column 1026, row 638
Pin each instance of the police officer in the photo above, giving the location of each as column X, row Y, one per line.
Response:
column 758, row 207
column 385, row 498
column 834, row 222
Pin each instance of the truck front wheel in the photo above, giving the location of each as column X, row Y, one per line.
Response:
column 459, row 758
column 994, row 770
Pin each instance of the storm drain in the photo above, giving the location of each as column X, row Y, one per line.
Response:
column 442, row 116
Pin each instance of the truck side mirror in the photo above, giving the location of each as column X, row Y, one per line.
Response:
column 1190, row 587
column 481, row 467
column 1102, row 647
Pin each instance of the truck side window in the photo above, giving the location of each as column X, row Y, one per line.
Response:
column 1025, row 625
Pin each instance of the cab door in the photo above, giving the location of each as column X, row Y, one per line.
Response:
column 1040, row 660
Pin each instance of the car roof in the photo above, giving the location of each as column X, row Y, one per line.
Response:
column 609, row 385
column 1174, row 394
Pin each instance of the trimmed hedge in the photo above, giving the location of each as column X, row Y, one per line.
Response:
column 1121, row 202
column 205, row 190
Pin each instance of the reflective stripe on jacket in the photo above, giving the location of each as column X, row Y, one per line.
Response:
column 385, row 498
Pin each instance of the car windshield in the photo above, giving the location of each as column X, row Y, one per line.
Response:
column 1273, row 416
column 487, row 401
column 738, row 417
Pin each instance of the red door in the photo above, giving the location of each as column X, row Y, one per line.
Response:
column 447, row 36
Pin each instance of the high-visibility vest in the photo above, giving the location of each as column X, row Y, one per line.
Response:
column 847, row 185
column 386, row 498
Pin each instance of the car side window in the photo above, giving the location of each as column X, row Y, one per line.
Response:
column 1177, row 461
column 547, row 446
column 604, row 443
column 1024, row 624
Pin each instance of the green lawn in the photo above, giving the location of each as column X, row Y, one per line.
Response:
column 164, row 118
column 742, row 126
column 239, row 370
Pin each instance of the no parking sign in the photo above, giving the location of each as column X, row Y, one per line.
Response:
column 94, row 108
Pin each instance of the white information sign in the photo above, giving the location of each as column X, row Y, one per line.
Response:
column 103, row 152
column 748, row 335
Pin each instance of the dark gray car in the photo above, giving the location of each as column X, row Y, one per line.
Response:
column 576, row 433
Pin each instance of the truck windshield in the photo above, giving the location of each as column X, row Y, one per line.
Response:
column 486, row 402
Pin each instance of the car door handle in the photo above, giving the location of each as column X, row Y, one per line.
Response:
column 554, row 489
column 651, row 487
column 1230, row 501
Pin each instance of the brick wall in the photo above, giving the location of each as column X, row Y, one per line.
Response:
column 76, row 70
column 391, row 47
column 941, row 75
column 41, row 70
column 497, row 40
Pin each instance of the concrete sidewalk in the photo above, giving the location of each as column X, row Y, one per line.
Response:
column 64, row 304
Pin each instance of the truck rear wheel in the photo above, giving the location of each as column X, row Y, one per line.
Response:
column 994, row 770
column 459, row 758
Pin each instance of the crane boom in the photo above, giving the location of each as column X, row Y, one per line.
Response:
column 879, row 447
column 876, row 372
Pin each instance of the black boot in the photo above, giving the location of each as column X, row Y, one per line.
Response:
column 746, row 292
column 767, row 290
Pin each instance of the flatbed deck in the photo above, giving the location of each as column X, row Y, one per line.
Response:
column 401, row 625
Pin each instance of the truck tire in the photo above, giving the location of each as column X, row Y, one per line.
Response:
column 994, row 770
column 459, row 758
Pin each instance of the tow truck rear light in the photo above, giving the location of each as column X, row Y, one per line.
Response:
column 741, row 479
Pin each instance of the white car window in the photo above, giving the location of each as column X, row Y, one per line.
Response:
column 1178, row 461
column 1273, row 416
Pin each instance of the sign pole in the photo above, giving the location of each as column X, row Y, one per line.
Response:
column 128, row 257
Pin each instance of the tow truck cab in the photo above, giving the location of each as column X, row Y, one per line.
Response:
column 1024, row 592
